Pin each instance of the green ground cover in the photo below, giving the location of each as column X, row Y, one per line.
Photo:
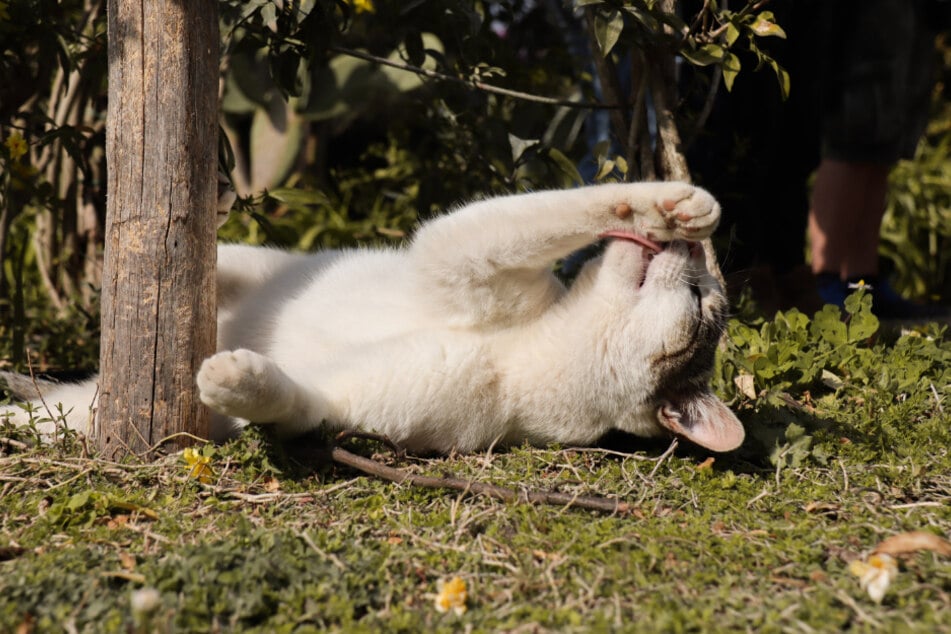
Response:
column 848, row 444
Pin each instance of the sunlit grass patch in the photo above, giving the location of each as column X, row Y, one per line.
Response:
column 765, row 539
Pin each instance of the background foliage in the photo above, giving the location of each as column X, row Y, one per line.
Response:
column 328, row 146
column 916, row 233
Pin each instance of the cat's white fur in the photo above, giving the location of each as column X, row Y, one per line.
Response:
column 465, row 338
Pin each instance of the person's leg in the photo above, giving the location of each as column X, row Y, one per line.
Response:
column 848, row 203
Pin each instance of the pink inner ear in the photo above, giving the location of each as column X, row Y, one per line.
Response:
column 704, row 420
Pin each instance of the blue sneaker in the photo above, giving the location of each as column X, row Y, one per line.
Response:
column 831, row 289
column 888, row 304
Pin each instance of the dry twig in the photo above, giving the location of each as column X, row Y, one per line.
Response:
column 528, row 496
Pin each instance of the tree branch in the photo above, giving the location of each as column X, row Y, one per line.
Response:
column 607, row 75
column 670, row 157
column 637, row 135
column 707, row 109
column 515, row 94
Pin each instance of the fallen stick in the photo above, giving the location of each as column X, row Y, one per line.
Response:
column 399, row 476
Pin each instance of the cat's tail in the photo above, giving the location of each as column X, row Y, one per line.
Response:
column 49, row 406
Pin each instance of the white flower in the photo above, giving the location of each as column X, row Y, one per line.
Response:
column 875, row 575
column 145, row 601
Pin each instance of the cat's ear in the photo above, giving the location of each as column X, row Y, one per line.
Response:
column 703, row 419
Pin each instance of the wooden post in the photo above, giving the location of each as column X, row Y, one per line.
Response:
column 158, row 294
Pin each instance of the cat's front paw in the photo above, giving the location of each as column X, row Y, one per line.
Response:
column 691, row 210
column 244, row 384
column 670, row 211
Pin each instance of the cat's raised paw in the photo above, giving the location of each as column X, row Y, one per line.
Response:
column 244, row 384
column 688, row 212
column 662, row 211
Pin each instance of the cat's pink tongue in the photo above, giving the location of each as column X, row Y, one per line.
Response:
column 633, row 237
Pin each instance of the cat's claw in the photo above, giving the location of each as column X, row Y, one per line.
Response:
column 244, row 384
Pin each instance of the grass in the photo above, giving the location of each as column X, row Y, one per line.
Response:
column 843, row 451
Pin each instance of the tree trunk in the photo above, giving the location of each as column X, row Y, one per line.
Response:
column 158, row 306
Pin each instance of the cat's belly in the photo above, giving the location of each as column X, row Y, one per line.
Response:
column 426, row 391
column 364, row 297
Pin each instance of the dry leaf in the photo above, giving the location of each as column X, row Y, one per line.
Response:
column 831, row 380
column 706, row 465
column 542, row 555
column 789, row 582
column 820, row 507
column 26, row 626
column 127, row 561
column 746, row 385
column 913, row 542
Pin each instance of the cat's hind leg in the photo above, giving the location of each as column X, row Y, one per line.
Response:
column 246, row 385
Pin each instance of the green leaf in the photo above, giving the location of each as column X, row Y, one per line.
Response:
column 79, row 500
column 404, row 80
column 731, row 35
column 731, row 68
column 862, row 323
column 783, row 77
column 604, row 170
column 705, row 55
column 286, row 68
column 566, row 166
column 673, row 21
column 521, row 146
column 607, row 29
column 764, row 26
column 415, row 52
column 269, row 13
column 621, row 164
column 827, row 324
column 298, row 197
column 795, row 450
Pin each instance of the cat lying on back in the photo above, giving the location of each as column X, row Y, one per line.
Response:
column 465, row 338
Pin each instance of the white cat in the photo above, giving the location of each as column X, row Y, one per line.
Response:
column 465, row 338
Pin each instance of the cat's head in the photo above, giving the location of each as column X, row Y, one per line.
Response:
column 678, row 315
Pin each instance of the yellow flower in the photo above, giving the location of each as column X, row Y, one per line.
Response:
column 452, row 595
column 363, row 6
column 16, row 144
column 875, row 575
column 198, row 466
